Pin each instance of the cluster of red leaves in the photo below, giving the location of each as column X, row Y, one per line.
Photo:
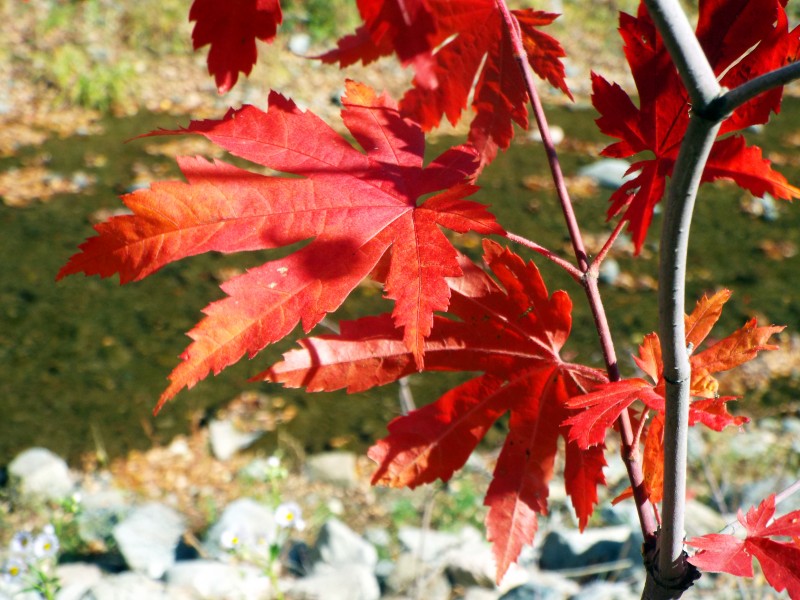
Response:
column 512, row 335
column 742, row 39
column 357, row 207
column 231, row 28
column 359, row 210
column 780, row 561
column 451, row 45
column 602, row 407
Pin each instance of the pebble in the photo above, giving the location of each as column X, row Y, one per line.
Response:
column 341, row 564
column 148, row 538
column 608, row 173
column 42, row 473
column 227, row 440
column 339, row 468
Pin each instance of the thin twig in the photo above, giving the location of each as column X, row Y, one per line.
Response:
column 595, row 266
column 566, row 265
column 589, row 281
column 731, row 100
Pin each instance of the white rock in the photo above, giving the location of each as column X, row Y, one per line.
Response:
column 148, row 538
column 131, row 586
column 338, row 468
column 212, row 580
column 431, row 545
column 227, row 440
column 76, row 579
column 42, row 473
column 349, row 582
column 339, row 545
column 252, row 522
column 608, row 172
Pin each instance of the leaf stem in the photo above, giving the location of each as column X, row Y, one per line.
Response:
column 595, row 266
column 588, row 280
column 550, row 255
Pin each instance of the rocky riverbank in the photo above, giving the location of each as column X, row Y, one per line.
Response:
column 210, row 517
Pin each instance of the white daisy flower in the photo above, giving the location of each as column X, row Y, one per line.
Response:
column 230, row 539
column 289, row 515
column 21, row 543
column 45, row 545
column 14, row 569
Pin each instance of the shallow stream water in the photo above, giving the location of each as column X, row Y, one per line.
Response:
column 82, row 361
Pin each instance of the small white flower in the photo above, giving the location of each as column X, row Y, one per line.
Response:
column 289, row 515
column 273, row 462
column 46, row 544
column 14, row 569
column 230, row 539
column 21, row 543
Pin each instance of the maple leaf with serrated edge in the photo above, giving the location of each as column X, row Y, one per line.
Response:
column 453, row 45
column 512, row 335
column 355, row 207
column 779, row 560
column 232, row 28
column 602, row 406
column 754, row 33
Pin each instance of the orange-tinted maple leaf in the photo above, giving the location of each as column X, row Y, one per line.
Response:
column 232, row 27
column 601, row 407
column 742, row 39
column 452, row 45
column 512, row 335
column 354, row 206
column 779, row 560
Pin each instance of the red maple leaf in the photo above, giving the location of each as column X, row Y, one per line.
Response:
column 601, row 407
column 780, row 560
column 752, row 32
column 452, row 45
column 232, row 27
column 513, row 336
column 356, row 207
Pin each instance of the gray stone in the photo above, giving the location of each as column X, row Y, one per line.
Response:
column 606, row 590
column 754, row 492
column 76, row 579
column 570, row 549
column 415, row 579
column 42, row 473
column 339, row 545
column 299, row 43
column 100, row 513
column 533, row 591
column 609, row 271
column 339, row 468
column 213, row 580
column 252, row 522
column 348, row 582
column 131, row 586
column 623, row 513
column 149, row 537
column 702, row 519
column 556, row 134
column 431, row 545
column 227, row 440
column 471, row 564
column 475, row 593
column 608, row 173
column 378, row 536
column 750, row 444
